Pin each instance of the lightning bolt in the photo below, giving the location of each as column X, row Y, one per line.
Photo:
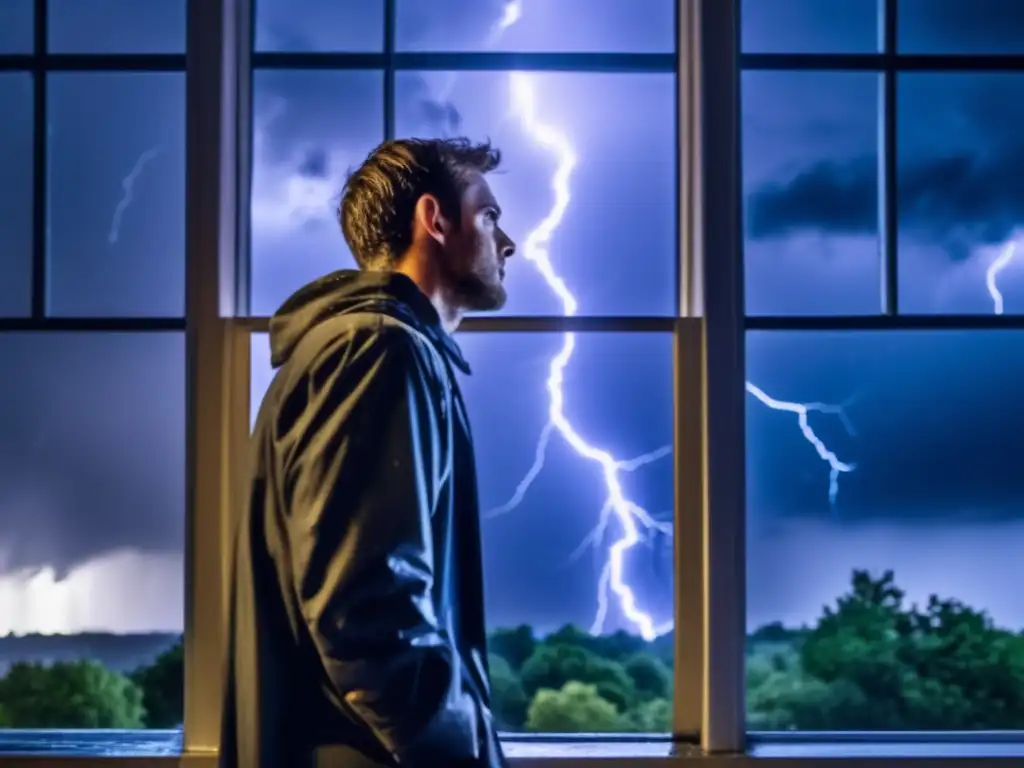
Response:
column 631, row 517
column 536, row 249
column 128, row 185
column 1000, row 263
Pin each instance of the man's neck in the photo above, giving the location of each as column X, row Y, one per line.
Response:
column 430, row 286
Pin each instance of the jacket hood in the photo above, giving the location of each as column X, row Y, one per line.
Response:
column 349, row 291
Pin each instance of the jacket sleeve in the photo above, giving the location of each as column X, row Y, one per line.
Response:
column 364, row 475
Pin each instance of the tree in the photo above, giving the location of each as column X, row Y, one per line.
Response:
column 80, row 694
column 654, row 716
column 575, row 708
column 513, row 645
column 873, row 663
column 552, row 666
column 614, row 647
column 508, row 700
column 651, row 678
column 163, row 688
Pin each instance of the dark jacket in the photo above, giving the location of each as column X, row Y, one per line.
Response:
column 356, row 613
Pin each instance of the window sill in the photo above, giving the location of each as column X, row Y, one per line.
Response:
column 152, row 750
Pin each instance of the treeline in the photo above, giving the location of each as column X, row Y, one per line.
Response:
column 870, row 662
column 874, row 662
column 86, row 694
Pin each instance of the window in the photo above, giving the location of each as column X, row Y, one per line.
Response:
column 617, row 266
column 809, row 26
column 116, row 192
column 983, row 27
column 611, row 99
column 309, row 129
column 543, row 504
column 554, row 26
column 16, row 194
column 810, row 178
column 156, row 26
column 306, row 26
column 957, row 193
column 91, row 567
column 92, row 450
column 308, row 136
column 16, row 26
column 882, row 282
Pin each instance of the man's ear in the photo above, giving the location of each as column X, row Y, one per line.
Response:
column 430, row 219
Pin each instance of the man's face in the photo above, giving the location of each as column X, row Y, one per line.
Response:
column 476, row 252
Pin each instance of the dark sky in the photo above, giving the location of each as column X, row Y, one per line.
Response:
column 93, row 443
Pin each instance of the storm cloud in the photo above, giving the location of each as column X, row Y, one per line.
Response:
column 92, row 448
column 955, row 202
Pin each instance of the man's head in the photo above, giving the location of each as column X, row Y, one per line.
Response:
column 424, row 206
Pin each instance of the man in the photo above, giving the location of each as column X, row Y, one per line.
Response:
column 357, row 596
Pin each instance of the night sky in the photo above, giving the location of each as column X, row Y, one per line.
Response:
column 92, row 450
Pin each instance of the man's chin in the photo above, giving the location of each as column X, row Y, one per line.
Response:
column 489, row 298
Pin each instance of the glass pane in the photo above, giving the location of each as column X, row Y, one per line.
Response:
column 810, row 26
column 961, row 205
column 620, row 131
column 810, row 185
column 539, row 526
column 309, row 129
column 16, row 26
column 556, row 26
column 16, row 145
column 93, row 536
column 961, row 26
column 897, row 606
column 116, row 26
column 303, row 26
column 117, row 194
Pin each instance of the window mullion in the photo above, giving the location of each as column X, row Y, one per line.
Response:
column 724, row 721
column 217, row 371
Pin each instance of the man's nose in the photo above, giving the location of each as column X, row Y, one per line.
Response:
column 507, row 247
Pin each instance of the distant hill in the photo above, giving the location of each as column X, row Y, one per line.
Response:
column 123, row 653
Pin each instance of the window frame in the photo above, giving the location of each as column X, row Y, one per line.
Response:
column 708, row 425
column 889, row 64
column 40, row 63
column 686, row 347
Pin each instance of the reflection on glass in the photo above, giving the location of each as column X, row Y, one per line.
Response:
column 92, row 457
column 961, row 206
column 811, row 193
column 889, row 608
column 561, row 639
column 116, row 193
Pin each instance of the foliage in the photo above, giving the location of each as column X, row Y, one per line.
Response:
column 514, row 646
column 651, row 678
column 874, row 663
column 553, row 665
column 79, row 694
column 163, row 688
column 870, row 662
column 575, row 708
column 508, row 700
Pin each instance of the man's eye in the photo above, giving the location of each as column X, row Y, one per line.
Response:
column 492, row 216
